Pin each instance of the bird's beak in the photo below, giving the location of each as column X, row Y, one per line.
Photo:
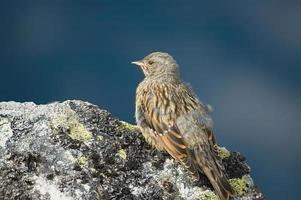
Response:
column 139, row 63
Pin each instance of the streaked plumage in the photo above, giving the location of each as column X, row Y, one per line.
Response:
column 171, row 118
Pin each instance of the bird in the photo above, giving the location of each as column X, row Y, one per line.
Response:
column 173, row 119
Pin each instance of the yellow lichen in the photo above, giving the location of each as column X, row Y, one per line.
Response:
column 127, row 126
column 208, row 195
column 122, row 154
column 75, row 129
column 83, row 161
column 79, row 132
column 240, row 185
column 99, row 137
column 222, row 152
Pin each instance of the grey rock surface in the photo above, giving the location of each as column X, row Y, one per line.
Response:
column 75, row 150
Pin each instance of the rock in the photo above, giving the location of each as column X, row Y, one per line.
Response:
column 75, row 150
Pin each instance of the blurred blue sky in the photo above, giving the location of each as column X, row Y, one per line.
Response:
column 242, row 57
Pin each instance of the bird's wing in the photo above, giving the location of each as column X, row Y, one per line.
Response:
column 161, row 113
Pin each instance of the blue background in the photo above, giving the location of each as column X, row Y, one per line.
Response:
column 242, row 57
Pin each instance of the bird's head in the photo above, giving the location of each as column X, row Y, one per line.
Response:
column 158, row 64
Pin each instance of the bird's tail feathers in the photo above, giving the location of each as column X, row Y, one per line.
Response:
column 210, row 165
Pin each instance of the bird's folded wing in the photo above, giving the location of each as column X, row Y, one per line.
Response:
column 175, row 145
column 163, row 123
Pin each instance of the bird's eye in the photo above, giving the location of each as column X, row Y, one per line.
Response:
column 150, row 62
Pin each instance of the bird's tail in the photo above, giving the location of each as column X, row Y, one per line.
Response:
column 213, row 169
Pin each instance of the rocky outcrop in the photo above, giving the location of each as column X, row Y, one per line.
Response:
column 75, row 150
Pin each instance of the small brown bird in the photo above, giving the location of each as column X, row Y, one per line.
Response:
column 171, row 118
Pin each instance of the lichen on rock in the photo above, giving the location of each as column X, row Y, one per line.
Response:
column 127, row 126
column 75, row 150
column 72, row 127
column 208, row 195
column 242, row 185
column 223, row 152
column 122, row 154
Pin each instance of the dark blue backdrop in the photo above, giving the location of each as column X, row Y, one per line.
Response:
column 242, row 58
